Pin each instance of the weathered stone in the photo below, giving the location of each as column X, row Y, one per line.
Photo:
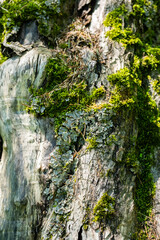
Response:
column 82, row 3
column 29, row 33
column 27, row 141
column 26, row 37
column 16, row 47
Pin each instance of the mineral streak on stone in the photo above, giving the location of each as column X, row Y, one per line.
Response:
column 27, row 142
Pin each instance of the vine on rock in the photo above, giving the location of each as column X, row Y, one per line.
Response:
column 138, row 33
column 67, row 97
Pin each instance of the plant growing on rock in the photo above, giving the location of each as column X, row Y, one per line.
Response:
column 131, row 93
column 104, row 209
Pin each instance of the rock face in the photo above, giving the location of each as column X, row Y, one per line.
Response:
column 92, row 165
column 28, row 145
column 27, row 141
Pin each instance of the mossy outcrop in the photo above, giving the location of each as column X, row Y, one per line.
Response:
column 79, row 120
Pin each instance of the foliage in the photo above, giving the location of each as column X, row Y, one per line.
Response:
column 131, row 93
column 16, row 12
column 86, row 218
column 117, row 33
column 56, row 72
column 58, row 96
column 92, row 143
column 104, row 209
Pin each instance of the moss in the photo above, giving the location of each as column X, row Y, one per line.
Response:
column 127, row 35
column 117, row 33
column 86, row 219
column 109, row 173
column 131, row 93
column 2, row 58
column 124, row 82
column 56, row 72
column 98, row 93
column 50, row 16
column 156, row 85
column 61, row 100
column 104, row 209
column 16, row 12
column 92, row 143
column 58, row 96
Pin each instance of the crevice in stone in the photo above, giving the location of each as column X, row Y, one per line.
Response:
column 1, row 147
column 37, row 64
column 93, row 5
column 101, row 235
column 80, row 234
column 85, row 10
column 98, row 68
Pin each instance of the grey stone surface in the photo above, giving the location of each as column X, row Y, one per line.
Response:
column 91, row 183
column 27, row 142
column 29, row 33
column 26, row 37
column 90, row 177
column 82, row 3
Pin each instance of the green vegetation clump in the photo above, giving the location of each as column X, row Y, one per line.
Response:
column 58, row 96
column 121, row 19
column 92, row 143
column 86, row 219
column 15, row 12
column 125, row 81
column 2, row 58
column 131, row 93
column 56, row 72
column 62, row 100
column 50, row 16
column 104, row 209
column 118, row 33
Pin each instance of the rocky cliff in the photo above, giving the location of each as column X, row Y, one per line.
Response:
column 79, row 120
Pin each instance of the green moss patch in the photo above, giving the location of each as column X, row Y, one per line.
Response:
column 104, row 209
column 131, row 93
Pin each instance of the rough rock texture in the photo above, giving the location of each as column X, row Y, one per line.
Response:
column 82, row 3
column 90, row 185
column 90, row 178
column 25, row 38
column 27, row 141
